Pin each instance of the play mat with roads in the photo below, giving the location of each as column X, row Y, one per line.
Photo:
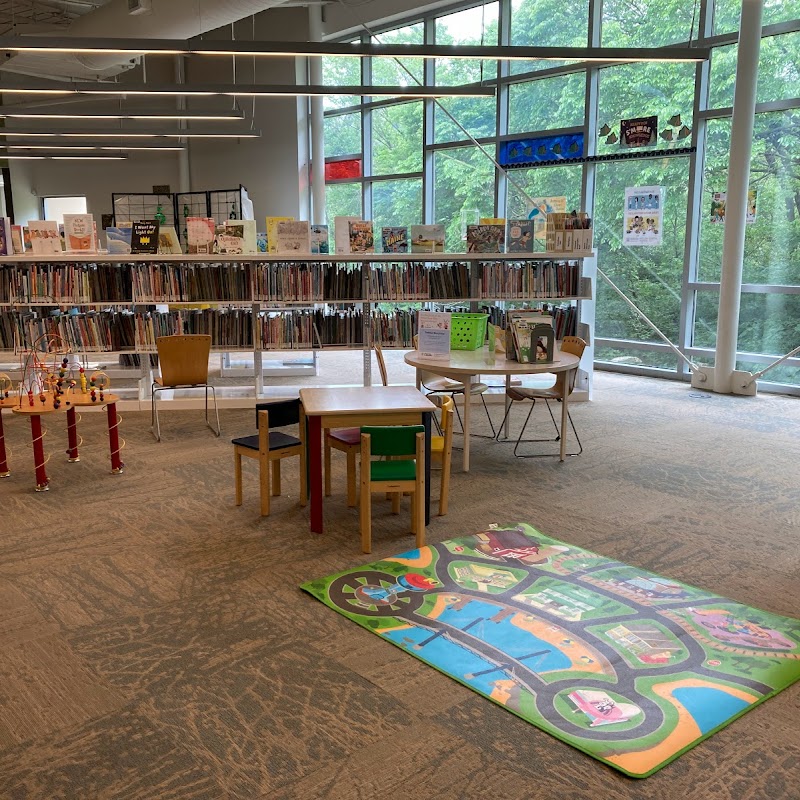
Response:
column 630, row 667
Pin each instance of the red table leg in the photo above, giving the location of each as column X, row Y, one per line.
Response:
column 113, row 438
column 315, row 468
column 4, row 471
column 42, row 480
column 72, row 435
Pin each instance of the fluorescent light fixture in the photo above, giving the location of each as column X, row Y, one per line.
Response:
column 247, row 90
column 58, row 157
column 17, row 146
column 123, row 134
column 8, row 111
column 137, row 47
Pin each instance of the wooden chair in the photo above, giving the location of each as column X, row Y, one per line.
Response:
column 270, row 447
column 569, row 344
column 434, row 384
column 184, row 365
column 348, row 441
column 442, row 448
column 393, row 476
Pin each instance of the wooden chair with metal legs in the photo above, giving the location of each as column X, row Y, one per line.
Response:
column 442, row 448
column 570, row 344
column 270, row 447
column 396, row 476
column 434, row 384
column 183, row 361
column 348, row 441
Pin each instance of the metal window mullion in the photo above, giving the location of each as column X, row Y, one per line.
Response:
column 428, row 132
column 501, row 129
column 366, row 142
column 694, row 205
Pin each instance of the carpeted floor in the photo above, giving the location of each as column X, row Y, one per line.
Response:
column 155, row 643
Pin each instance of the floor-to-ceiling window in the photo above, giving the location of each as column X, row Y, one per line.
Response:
column 422, row 161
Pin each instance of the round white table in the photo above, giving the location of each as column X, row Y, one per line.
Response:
column 465, row 365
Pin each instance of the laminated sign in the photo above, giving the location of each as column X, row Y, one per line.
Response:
column 638, row 132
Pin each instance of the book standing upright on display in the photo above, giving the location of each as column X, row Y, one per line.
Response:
column 45, row 239
column 489, row 238
column 272, row 232
column 520, row 236
column 144, row 236
column 200, row 233
column 118, row 240
column 6, row 243
column 362, row 239
column 427, row 238
column 341, row 233
column 394, row 239
column 293, row 236
column 319, row 240
column 17, row 239
column 79, row 233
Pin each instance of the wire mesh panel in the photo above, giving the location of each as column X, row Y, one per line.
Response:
column 190, row 204
column 225, row 204
column 133, row 207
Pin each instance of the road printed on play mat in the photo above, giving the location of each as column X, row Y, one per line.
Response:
column 626, row 665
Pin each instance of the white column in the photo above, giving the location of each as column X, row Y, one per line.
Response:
column 317, row 129
column 744, row 104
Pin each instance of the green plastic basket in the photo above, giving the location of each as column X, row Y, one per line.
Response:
column 468, row 331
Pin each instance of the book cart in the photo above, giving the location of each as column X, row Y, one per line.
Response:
column 119, row 304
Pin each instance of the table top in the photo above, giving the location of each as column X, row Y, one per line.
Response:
column 79, row 399
column 478, row 362
column 369, row 399
column 37, row 408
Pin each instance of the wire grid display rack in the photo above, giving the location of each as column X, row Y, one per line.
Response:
column 134, row 207
column 190, row 204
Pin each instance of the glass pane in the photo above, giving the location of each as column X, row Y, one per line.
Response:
column 542, row 182
column 633, row 356
column 768, row 324
column 548, row 103
column 397, row 139
column 342, row 135
column 543, row 23
column 641, row 90
column 728, row 12
column 343, row 170
column 387, row 71
column 648, row 23
column 778, row 71
column 650, row 276
column 463, row 181
column 342, row 200
column 396, row 203
column 56, row 207
column 341, row 71
column 772, row 242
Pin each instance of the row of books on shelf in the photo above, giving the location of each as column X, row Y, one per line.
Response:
column 125, row 330
column 283, row 282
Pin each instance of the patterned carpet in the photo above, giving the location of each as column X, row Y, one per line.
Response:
column 155, row 643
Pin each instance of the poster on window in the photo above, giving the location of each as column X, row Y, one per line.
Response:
column 638, row 132
column 538, row 209
column 643, row 216
column 718, row 207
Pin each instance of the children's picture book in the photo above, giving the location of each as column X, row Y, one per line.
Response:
column 427, row 238
column 718, row 200
column 362, row 239
column 486, row 238
column 168, row 242
column 492, row 221
column 144, row 236
column 244, row 229
column 394, row 239
column 293, row 236
column 341, row 233
column 45, row 238
column 520, row 236
column 118, row 240
column 6, row 245
column 26, row 237
column 261, row 242
column 79, row 233
column 319, row 240
column 200, row 233
column 17, row 239
column 272, row 232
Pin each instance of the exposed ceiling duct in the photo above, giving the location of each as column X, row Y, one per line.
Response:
column 174, row 19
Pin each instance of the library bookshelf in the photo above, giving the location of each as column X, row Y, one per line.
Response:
column 117, row 305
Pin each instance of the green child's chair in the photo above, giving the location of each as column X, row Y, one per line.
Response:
column 404, row 471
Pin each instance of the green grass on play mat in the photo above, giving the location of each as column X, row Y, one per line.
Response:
column 629, row 667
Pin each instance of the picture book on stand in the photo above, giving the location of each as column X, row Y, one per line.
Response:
column 144, row 237
column 244, row 229
column 17, row 239
column 118, row 240
column 486, row 238
column 341, row 233
column 200, row 233
column 272, row 232
column 520, row 236
column 6, row 243
column 79, row 234
column 394, row 239
column 362, row 239
column 45, row 239
column 427, row 238
column 319, row 240
column 293, row 236
column 168, row 242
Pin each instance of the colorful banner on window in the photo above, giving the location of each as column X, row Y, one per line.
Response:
column 638, row 132
column 541, row 150
column 643, row 216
